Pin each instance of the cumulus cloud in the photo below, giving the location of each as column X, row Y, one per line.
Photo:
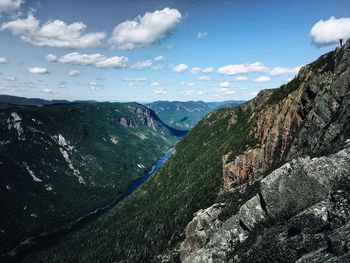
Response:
column 51, row 58
column 10, row 79
column 54, row 33
column 37, row 70
column 282, row 71
column 204, row 78
column 262, row 79
column 159, row 91
column 254, row 93
column 142, row 64
column 7, row 6
column 224, row 84
column 180, row 68
column 74, row 73
column 201, row 35
column 3, row 60
column 242, row 68
column 97, row 60
column 95, row 86
column 141, row 79
column 240, row 78
column 158, row 67
column 155, row 84
column 208, row 70
column 191, row 84
column 196, row 70
column 159, row 58
column 329, row 31
column 145, row 30
column 48, row 91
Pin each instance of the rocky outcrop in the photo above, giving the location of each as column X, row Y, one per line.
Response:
column 311, row 118
column 144, row 117
column 300, row 212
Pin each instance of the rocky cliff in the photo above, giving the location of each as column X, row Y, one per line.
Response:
column 308, row 116
column 299, row 212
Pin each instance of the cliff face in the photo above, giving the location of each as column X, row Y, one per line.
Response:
column 300, row 212
column 310, row 120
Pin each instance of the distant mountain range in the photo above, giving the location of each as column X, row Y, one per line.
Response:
column 185, row 115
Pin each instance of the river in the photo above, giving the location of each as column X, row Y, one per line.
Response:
column 46, row 240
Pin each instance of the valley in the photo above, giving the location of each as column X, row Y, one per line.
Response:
column 219, row 162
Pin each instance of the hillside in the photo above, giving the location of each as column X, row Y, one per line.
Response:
column 185, row 115
column 180, row 115
column 60, row 162
column 15, row 100
column 222, row 161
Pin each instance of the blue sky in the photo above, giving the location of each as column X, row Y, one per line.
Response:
column 161, row 50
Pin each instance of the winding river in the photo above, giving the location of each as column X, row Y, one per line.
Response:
column 46, row 240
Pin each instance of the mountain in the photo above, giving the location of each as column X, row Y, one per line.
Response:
column 11, row 101
column 62, row 161
column 224, row 104
column 268, row 181
column 180, row 115
column 185, row 115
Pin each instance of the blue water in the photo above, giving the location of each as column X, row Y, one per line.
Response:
column 46, row 240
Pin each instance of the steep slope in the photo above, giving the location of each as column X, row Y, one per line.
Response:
column 62, row 161
column 230, row 147
column 224, row 104
column 180, row 115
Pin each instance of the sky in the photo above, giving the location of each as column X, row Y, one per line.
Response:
column 141, row 50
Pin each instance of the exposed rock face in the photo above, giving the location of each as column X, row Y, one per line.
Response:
column 312, row 120
column 300, row 212
column 145, row 117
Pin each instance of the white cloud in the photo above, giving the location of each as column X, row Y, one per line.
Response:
column 48, row 91
column 10, row 79
column 191, row 84
column 145, row 30
column 242, row 69
column 180, row 68
column 97, row 60
column 330, row 31
column 200, row 92
column 204, row 78
column 201, row 35
column 113, row 62
column 142, row 64
column 240, row 78
column 135, row 79
column 158, row 67
column 159, row 91
column 53, row 33
column 74, row 73
column 159, row 58
column 37, row 70
column 196, row 70
column 51, row 58
column 208, row 70
column 95, row 86
column 7, row 6
column 262, row 79
column 281, row 71
column 3, row 60
column 225, row 84
column 155, row 84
